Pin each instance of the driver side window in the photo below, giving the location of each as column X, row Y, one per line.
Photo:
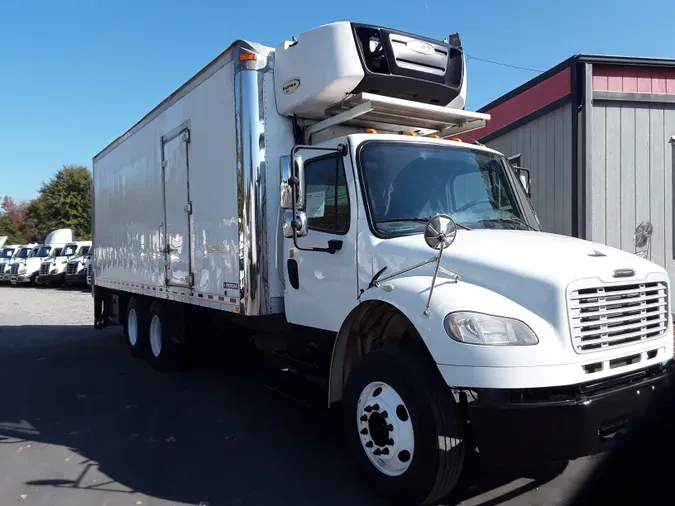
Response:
column 326, row 196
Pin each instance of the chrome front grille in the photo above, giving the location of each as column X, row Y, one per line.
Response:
column 90, row 268
column 71, row 268
column 44, row 268
column 615, row 315
column 15, row 269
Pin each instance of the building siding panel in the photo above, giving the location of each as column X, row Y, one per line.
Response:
column 632, row 175
column 627, row 79
column 545, row 145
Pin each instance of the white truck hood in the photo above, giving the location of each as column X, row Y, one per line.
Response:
column 531, row 268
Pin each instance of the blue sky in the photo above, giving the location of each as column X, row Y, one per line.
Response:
column 75, row 74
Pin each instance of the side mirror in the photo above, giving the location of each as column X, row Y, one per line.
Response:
column 287, row 224
column 286, row 186
column 525, row 180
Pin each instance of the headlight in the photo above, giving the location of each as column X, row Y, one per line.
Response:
column 478, row 328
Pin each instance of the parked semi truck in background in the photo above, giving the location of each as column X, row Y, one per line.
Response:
column 309, row 200
column 7, row 252
column 76, row 270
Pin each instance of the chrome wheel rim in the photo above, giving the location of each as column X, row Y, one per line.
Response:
column 385, row 429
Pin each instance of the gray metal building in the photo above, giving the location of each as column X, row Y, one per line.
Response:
column 597, row 133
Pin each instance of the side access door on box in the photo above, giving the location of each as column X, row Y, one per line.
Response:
column 178, row 245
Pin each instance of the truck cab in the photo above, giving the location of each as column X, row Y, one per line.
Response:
column 19, row 266
column 7, row 253
column 76, row 270
column 53, row 270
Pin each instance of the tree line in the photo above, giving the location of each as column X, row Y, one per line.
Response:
column 62, row 202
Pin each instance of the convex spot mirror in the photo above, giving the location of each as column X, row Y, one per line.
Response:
column 643, row 234
column 287, row 187
column 287, row 223
column 440, row 231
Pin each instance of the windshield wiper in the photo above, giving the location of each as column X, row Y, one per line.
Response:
column 510, row 220
column 418, row 220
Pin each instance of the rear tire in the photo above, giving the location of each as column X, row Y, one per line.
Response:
column 403, row 427
column 136, row 328
column 168, row 350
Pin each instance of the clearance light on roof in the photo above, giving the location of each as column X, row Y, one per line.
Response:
column 410, row 133
column 456, row 139
column 434, row 136
column 371, row 131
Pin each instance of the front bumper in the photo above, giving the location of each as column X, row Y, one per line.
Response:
column 51, row 279
column 17, row 279
column 77, row 279
column 551, row 430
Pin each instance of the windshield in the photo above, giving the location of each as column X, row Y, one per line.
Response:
column 68, row 251
column 406, row 184
column 44, row 251
column 6, row 253
column 24, row 253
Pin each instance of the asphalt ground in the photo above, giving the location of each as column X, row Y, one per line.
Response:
column 82, row 423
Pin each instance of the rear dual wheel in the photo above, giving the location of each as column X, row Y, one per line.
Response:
column 151, row 334
column 403, row 427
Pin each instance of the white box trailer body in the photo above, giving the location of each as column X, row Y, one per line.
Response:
column 186, row 154
column 208, row 214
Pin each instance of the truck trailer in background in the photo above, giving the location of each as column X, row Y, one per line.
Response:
column 308, row 203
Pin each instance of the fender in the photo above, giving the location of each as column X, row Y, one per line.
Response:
column 408, row 294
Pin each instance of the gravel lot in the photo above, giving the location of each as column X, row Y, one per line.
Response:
column 84, row 424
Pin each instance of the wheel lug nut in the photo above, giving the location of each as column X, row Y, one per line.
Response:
column 385, row 414
column 377, row 452
column 390, row 442
column 368, row 409
column 364, row 431
column 376, row 407
column 369, row 444
column 364, row 418
column 385, row 451
column 390, row 427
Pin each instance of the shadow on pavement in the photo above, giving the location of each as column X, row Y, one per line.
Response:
column 203, row 436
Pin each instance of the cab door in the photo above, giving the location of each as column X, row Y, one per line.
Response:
column 320, row 267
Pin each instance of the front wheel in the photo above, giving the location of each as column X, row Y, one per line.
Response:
column 403, row 427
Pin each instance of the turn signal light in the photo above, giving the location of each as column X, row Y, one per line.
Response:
column 246, row 56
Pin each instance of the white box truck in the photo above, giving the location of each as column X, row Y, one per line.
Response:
column 310, row 199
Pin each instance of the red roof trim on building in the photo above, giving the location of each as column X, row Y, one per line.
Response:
column 627, row 79
column 528, row 102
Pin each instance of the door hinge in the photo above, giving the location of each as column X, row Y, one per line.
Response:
column 186, row 136
column 188, row 208
column 191, row 279
column 164, row 164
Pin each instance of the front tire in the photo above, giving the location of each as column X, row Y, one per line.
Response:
column 403, row 427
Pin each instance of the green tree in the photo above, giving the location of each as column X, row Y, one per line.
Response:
column 12, row 219
column 64, row 202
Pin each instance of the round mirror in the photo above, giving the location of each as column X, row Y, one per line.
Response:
column 642, row 234
column 441, row 229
